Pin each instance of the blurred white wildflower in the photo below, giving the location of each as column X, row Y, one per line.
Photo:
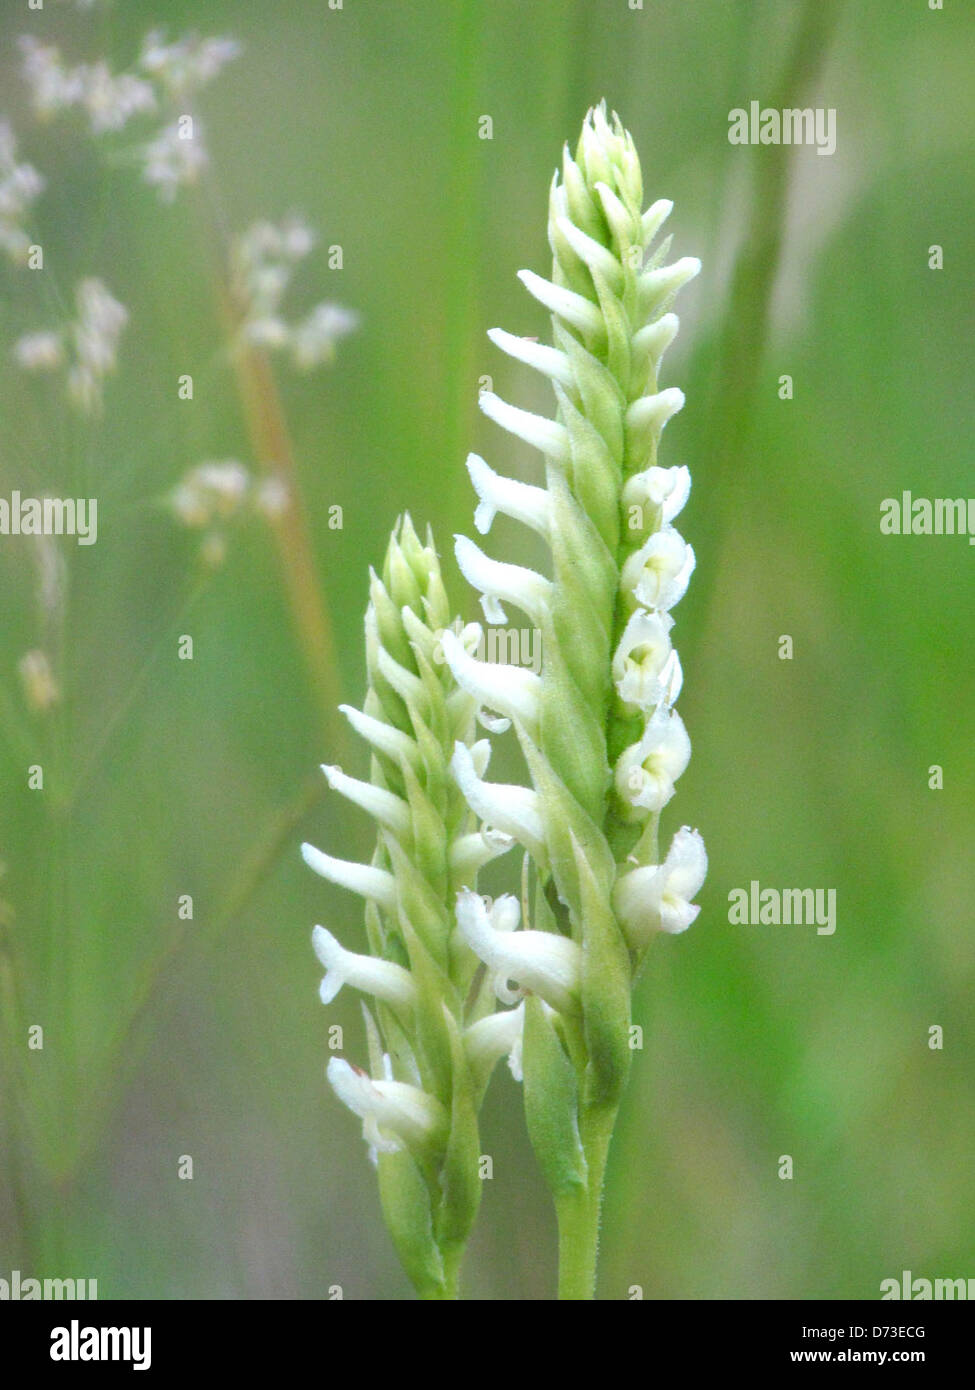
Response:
column 109, row 100
column 53, row 87
column 263, row 260
column 93, row 340
column 313, row 340
column 183, row 67
column 20, row 184
column 41, row 690
column 169, row 73
column 262, row 263
column 41, row 351
column 173, row 159
column 214, row 490
column 271, row 497
column 95, row 332
column 213, row 495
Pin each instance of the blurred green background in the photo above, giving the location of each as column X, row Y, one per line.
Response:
column 165, row 777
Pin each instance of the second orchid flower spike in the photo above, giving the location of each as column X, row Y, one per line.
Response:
column 601, row 739
column 434, row 1028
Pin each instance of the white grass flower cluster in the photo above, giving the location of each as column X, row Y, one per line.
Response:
column 436, row 1033
column 109, row 100
column 263, row 262
column 217, row 494
column 171, row 160
column 20, row 186
column 215, row 490
column 167, row 78
column 182, row 68
column 88, row 345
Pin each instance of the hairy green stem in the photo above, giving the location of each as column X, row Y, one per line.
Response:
column 579, row 1211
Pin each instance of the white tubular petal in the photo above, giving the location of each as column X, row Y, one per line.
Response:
column 659, row 284
column 656, row 337
column 380, row 735
column 653, row 412
column 548, row 436
column 538, row 961
column 580, row 312
column 658, row 896
column 389, row 810
column 499, row 494
column 643, row 652
column 469, row 853
column 392, row 1112
column 658, row 574
column 686, row 863
column 592, row 254
column 655, row 217
column 547, row 360
column 511, row 583
column 671, row 680
column 381, row 978
column 646, row 771
column 511, row 690
column 494, row 1036
column 501, row 805
column 481, row 755
column 364, row 879
column 665, row 488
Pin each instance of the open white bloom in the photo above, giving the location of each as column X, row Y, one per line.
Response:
column 497, row 493
column 494, row 1036
column 664, row 489
column 499, row 582
column 393, row 1113
column 647, row 770
column 548, row 436
column 658, row 574
column 512, row 691
column 365, row 879
column 383, row 979
column 540, row 962
column 657, row 897
column 501, row 806
column 648, row 414
column 646, row 668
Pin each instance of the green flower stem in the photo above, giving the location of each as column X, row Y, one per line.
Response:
column 578, row 1212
